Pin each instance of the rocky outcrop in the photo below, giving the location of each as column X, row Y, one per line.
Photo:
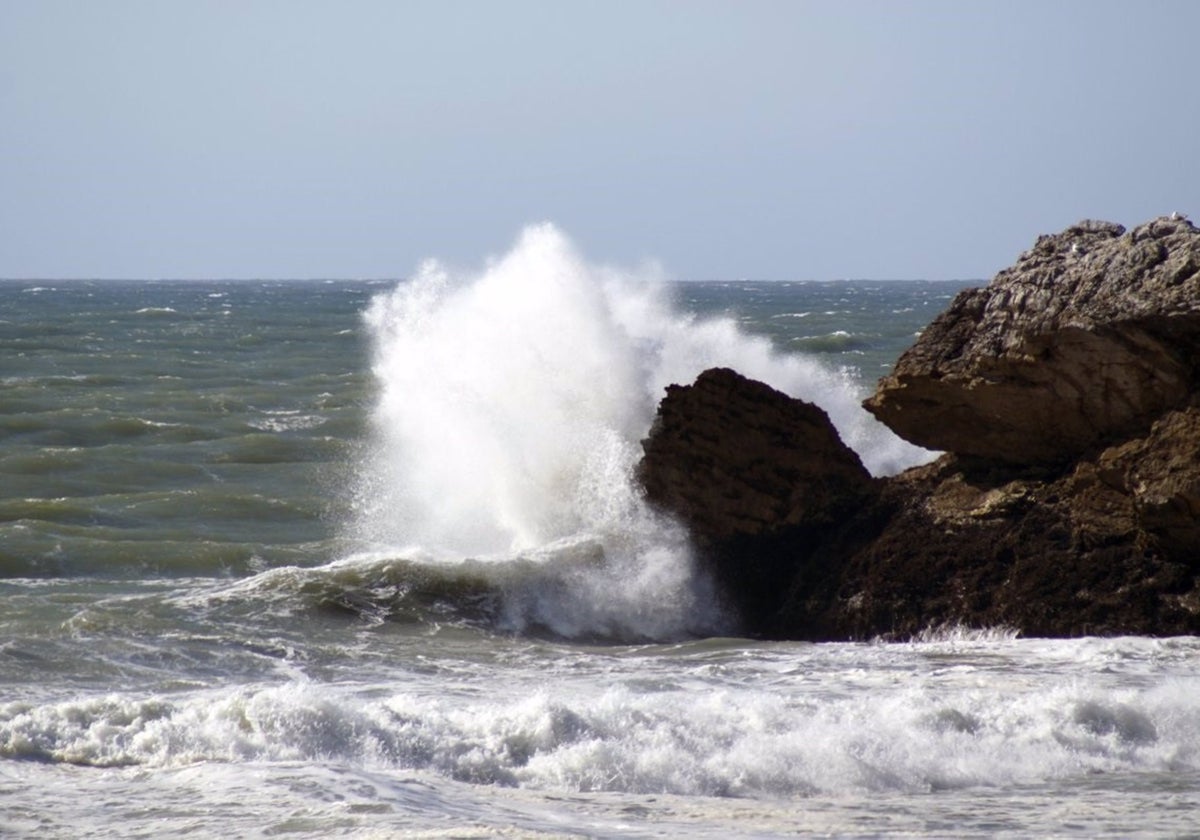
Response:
column 1088, row 339
column 753, row 474
column 1161, row 474
column 1065, row 396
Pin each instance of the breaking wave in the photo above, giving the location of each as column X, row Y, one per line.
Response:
column 511, row 405
column 693, row 720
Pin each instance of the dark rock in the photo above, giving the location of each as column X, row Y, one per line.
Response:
column 1110, row 545
column 732, row 456
column 1161, row 474
column 1048, row 558
column 1088, row 339
column 754, row 474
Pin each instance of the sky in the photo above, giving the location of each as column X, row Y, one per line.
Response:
column 721, row 140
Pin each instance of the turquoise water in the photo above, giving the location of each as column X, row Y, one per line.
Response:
column 369, row 552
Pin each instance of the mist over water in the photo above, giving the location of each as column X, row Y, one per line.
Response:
column 512, row 402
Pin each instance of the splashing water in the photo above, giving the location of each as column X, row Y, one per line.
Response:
column 512, row 404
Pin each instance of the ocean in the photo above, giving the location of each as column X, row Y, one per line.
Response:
column 364, row 559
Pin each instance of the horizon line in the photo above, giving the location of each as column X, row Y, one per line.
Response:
column 17, row 279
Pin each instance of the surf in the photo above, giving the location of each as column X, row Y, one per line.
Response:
column 511, row 403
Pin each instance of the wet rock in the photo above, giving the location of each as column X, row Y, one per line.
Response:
column 1161, row 475
column 1107, row 545
column 754, row 474
column 732, row 456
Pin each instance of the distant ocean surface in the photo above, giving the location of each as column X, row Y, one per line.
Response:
column 363, row 559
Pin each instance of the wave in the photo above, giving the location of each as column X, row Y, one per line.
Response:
column 89, row 427
column 511, row 406
column 959, row 633
column 577, row 589
column 838, row 341
column 624, row 737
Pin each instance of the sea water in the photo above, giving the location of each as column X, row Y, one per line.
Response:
column 364, row 558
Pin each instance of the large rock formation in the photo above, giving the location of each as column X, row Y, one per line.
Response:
column 1089, row 338
column 1065, row 394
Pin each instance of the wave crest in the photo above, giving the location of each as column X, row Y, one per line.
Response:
column 511, row 406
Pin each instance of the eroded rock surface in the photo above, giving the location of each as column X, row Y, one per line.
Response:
column 1075, row 555
column 1087, row 339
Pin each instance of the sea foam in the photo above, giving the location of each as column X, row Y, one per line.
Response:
column 699, row 726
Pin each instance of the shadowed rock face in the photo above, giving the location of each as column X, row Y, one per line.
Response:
column 756, row 476
column 1089, row 338
column 1067, row 394
column 1080, row 553
column 732, row 456
column 1161, row 474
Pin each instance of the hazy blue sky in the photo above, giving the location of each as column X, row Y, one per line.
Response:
column 780, row 140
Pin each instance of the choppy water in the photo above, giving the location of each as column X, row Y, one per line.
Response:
column 363, row 559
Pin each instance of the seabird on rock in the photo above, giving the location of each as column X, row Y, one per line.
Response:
column 1178, row 217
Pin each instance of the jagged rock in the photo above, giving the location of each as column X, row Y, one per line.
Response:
column 805, row 545
column 1161, row 473
column 1088, row 339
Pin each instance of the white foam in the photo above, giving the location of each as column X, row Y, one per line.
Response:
column 696, row 731
column 286, row 420
column 954, row 633
column 513, row 400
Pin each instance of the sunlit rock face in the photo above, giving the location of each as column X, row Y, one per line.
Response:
column 1091, row 336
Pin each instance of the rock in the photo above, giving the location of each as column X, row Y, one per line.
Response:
column 804, row 545
column 732, row 456
column 1087, row 340
column 1067, row 395
column 1161, row 474
column 753, row 474
column 1064, row 557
